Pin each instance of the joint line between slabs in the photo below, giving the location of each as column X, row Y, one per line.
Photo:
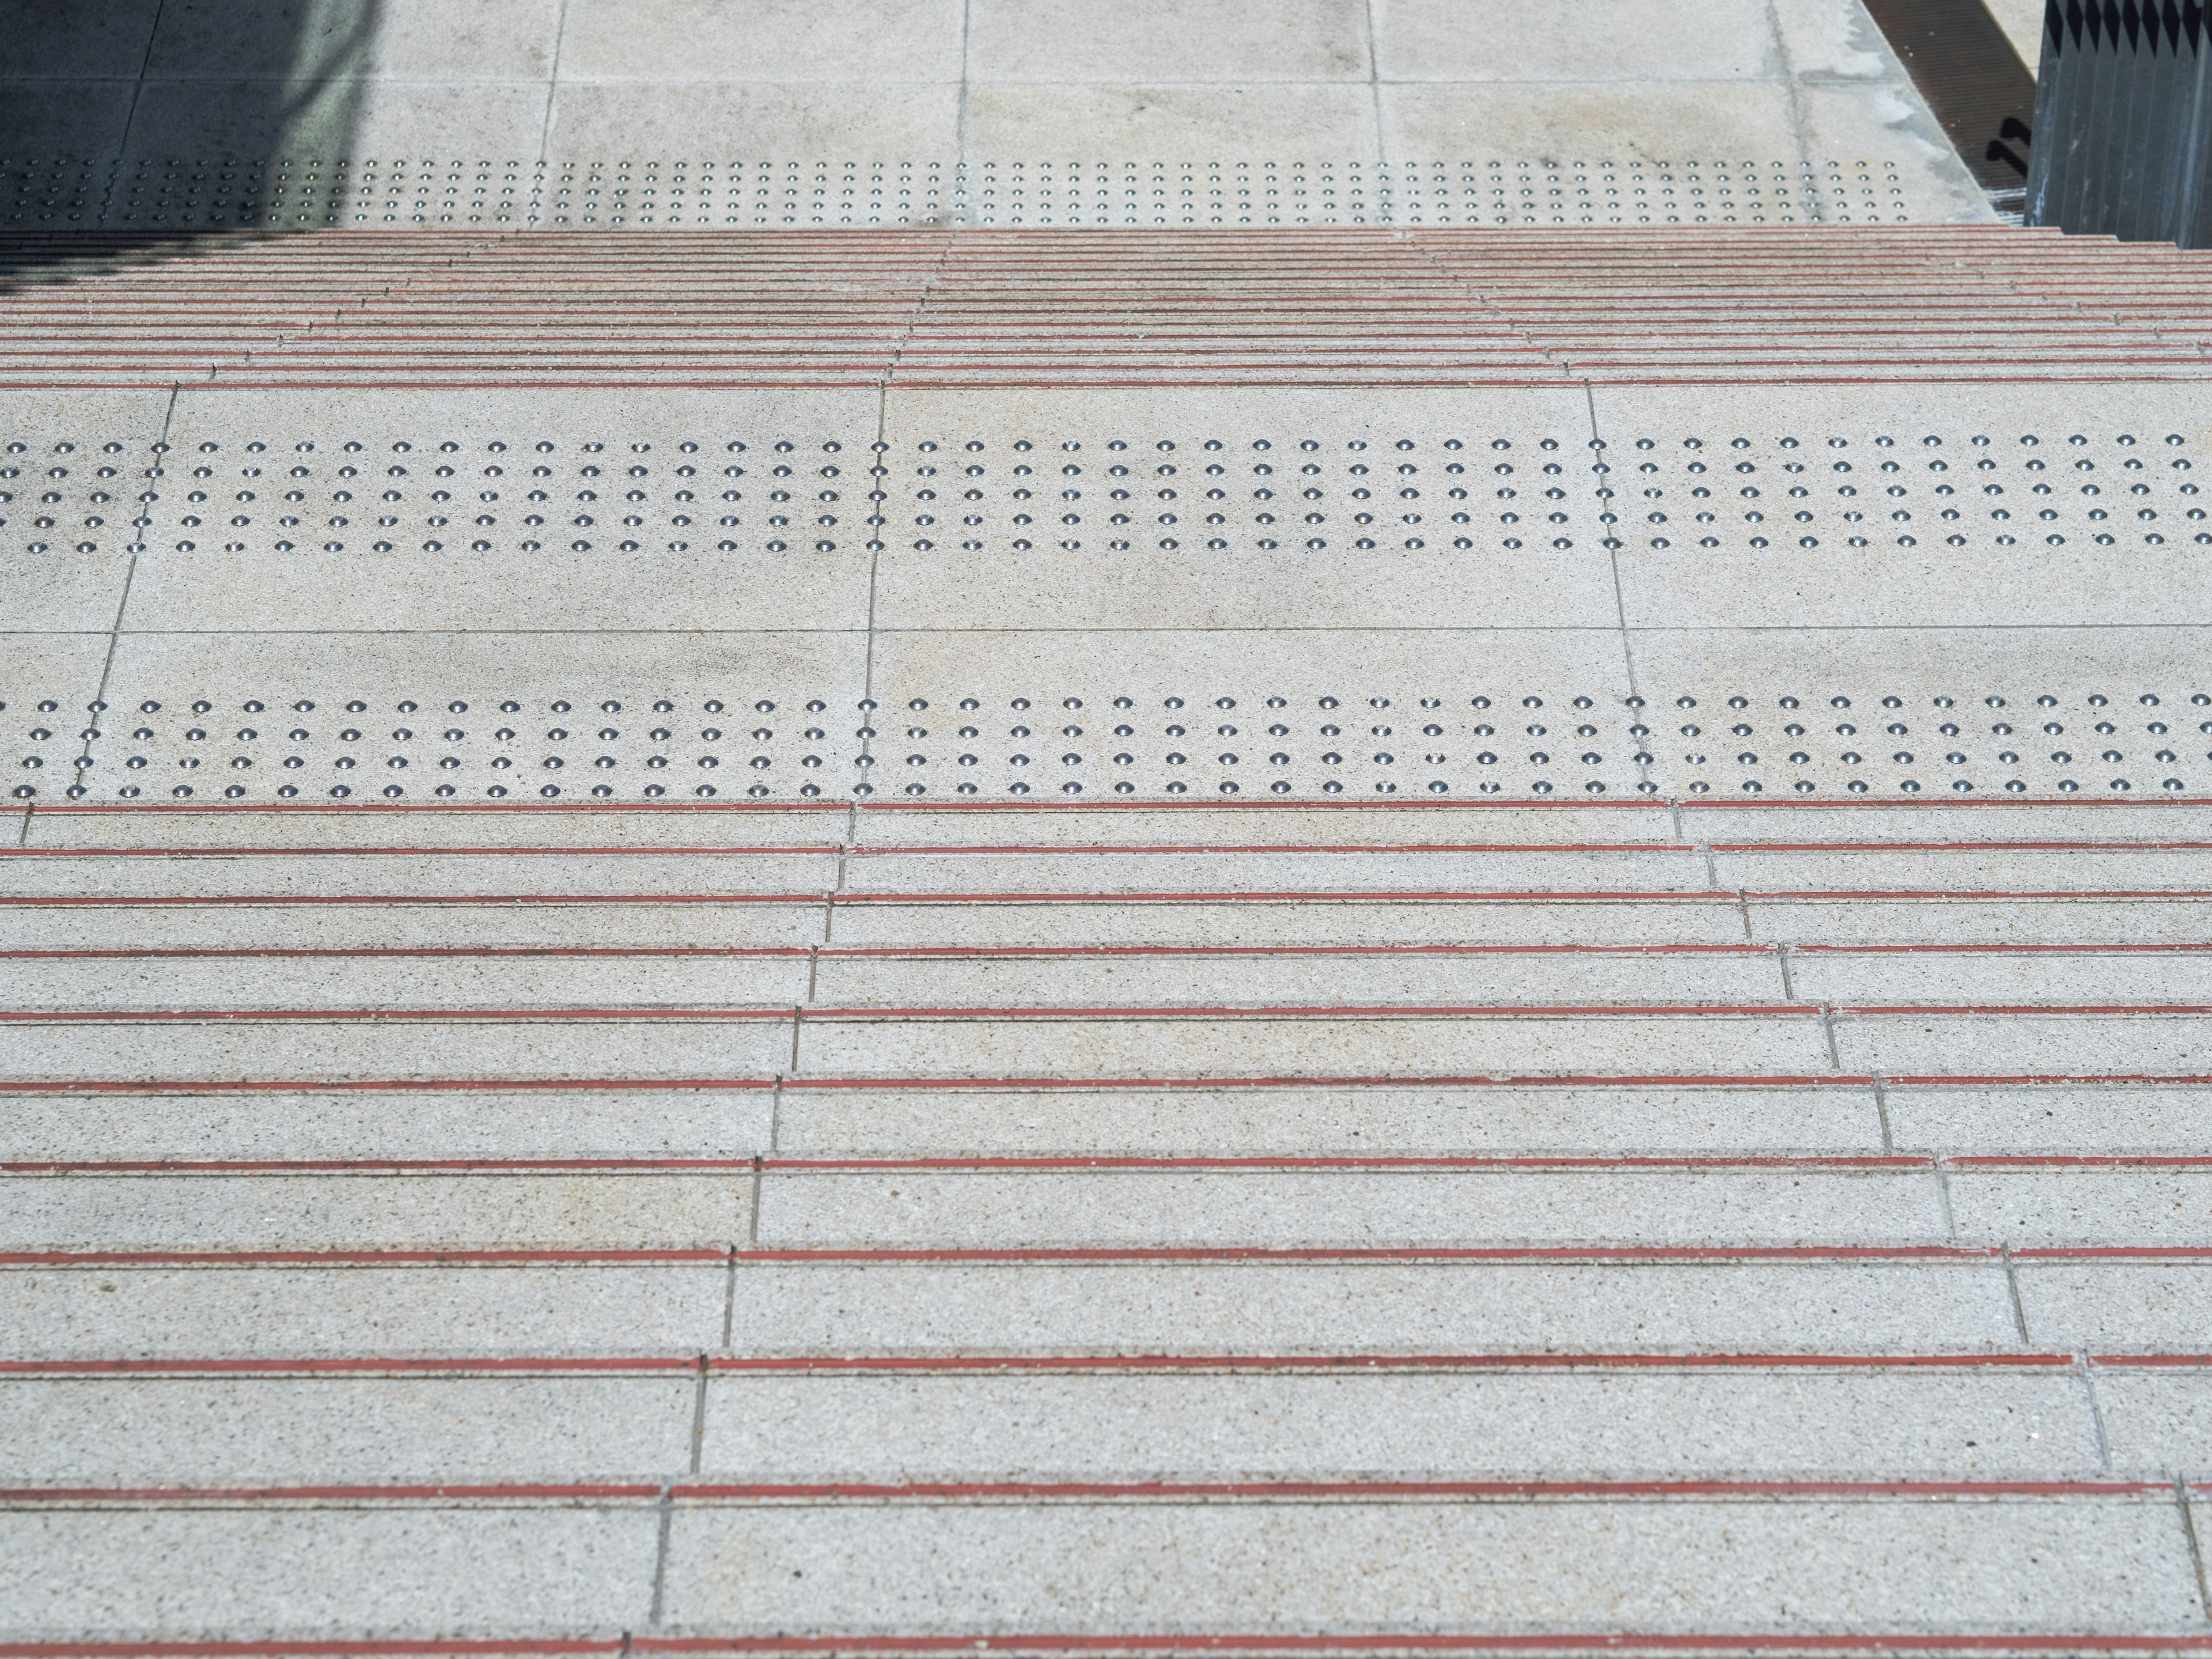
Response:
column 661, row 1549
column 699, row 1415
column 2005, row 1257
column 139, row 86
column 2196, row 1546
column 552, row 89
column 2096, row 1413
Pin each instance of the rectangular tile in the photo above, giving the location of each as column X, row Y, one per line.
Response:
column 1539, row 1425
column 1597, row 117
column 2123, row 1206
column 1013, row 119
column 2070, row 977
column 571, row 1123
column 337, row 1430
column 1268, row 922
column 1998, row 921
column 2116, row 1307
column 186, row 1574
column 53, row 42
column 1374, row 1307
column 1872, row 1566
column 1241, row 41
column 440, row 982
column 397, row 872
column 839, row 119
column 1297, row 980
column 987, row 869
column 262, row 1212
column 2007, row 1045
column 1281, row 1120
column 335, row 1050
column 110, row 1312
column 2130, row 1118
column 430, row 924
column 916, row 1208
column 2159, row 1421
column 763, row 40
column 1571, row 41
column 1132, row 1046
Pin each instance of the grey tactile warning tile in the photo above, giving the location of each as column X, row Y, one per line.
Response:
column 676, row 196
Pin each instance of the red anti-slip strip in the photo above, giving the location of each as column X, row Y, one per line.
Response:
column 987, row 1364
column 1624, row 1254
column 1104, row 1644
column 1089, row 1491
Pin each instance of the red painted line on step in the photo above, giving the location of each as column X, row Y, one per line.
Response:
column 1628, row 1254
column 1074, row 1164
column 1734, row 1642
column 388, row 1016
column 1919, row 1010
column 2079, row 1161
column 551, row 1364
column 371, row 1085
column 1082, row 1491
column 1962, row 846
column 965, row 1365
column 2115, row 949
column 1332, row 1363
column 947, row 952
column 382, row 1166
column 1107, row 1012
column 1621, row 1255
column 2195, row 1253
column 2154, row 1361
column 1549, row 1642
column 809, row 849
column 1816, row 895
column 1133, row 896
column 1357, row 1162
column 442, row 901
column 344, row 1258
column 2036, row 1079
column 1092, row 849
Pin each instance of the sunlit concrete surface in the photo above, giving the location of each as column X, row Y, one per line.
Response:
column 1087, row 830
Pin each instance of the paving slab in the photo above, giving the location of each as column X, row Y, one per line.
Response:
column 898, row 1430
column 108, row 1311
column 919, row 1208
column 324, row 1571
column 1867, row 1566
column 476, row 1123
column 267, row 1211
column 1276, row 1119
column 206, row 1432
column 2115, row 1305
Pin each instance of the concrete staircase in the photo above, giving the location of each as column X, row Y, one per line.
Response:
column 1641, row 1091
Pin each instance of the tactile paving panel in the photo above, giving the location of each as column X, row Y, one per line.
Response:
column 1184, row 495
column 983, row 517
column 305, row 194
column 1090, row 740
